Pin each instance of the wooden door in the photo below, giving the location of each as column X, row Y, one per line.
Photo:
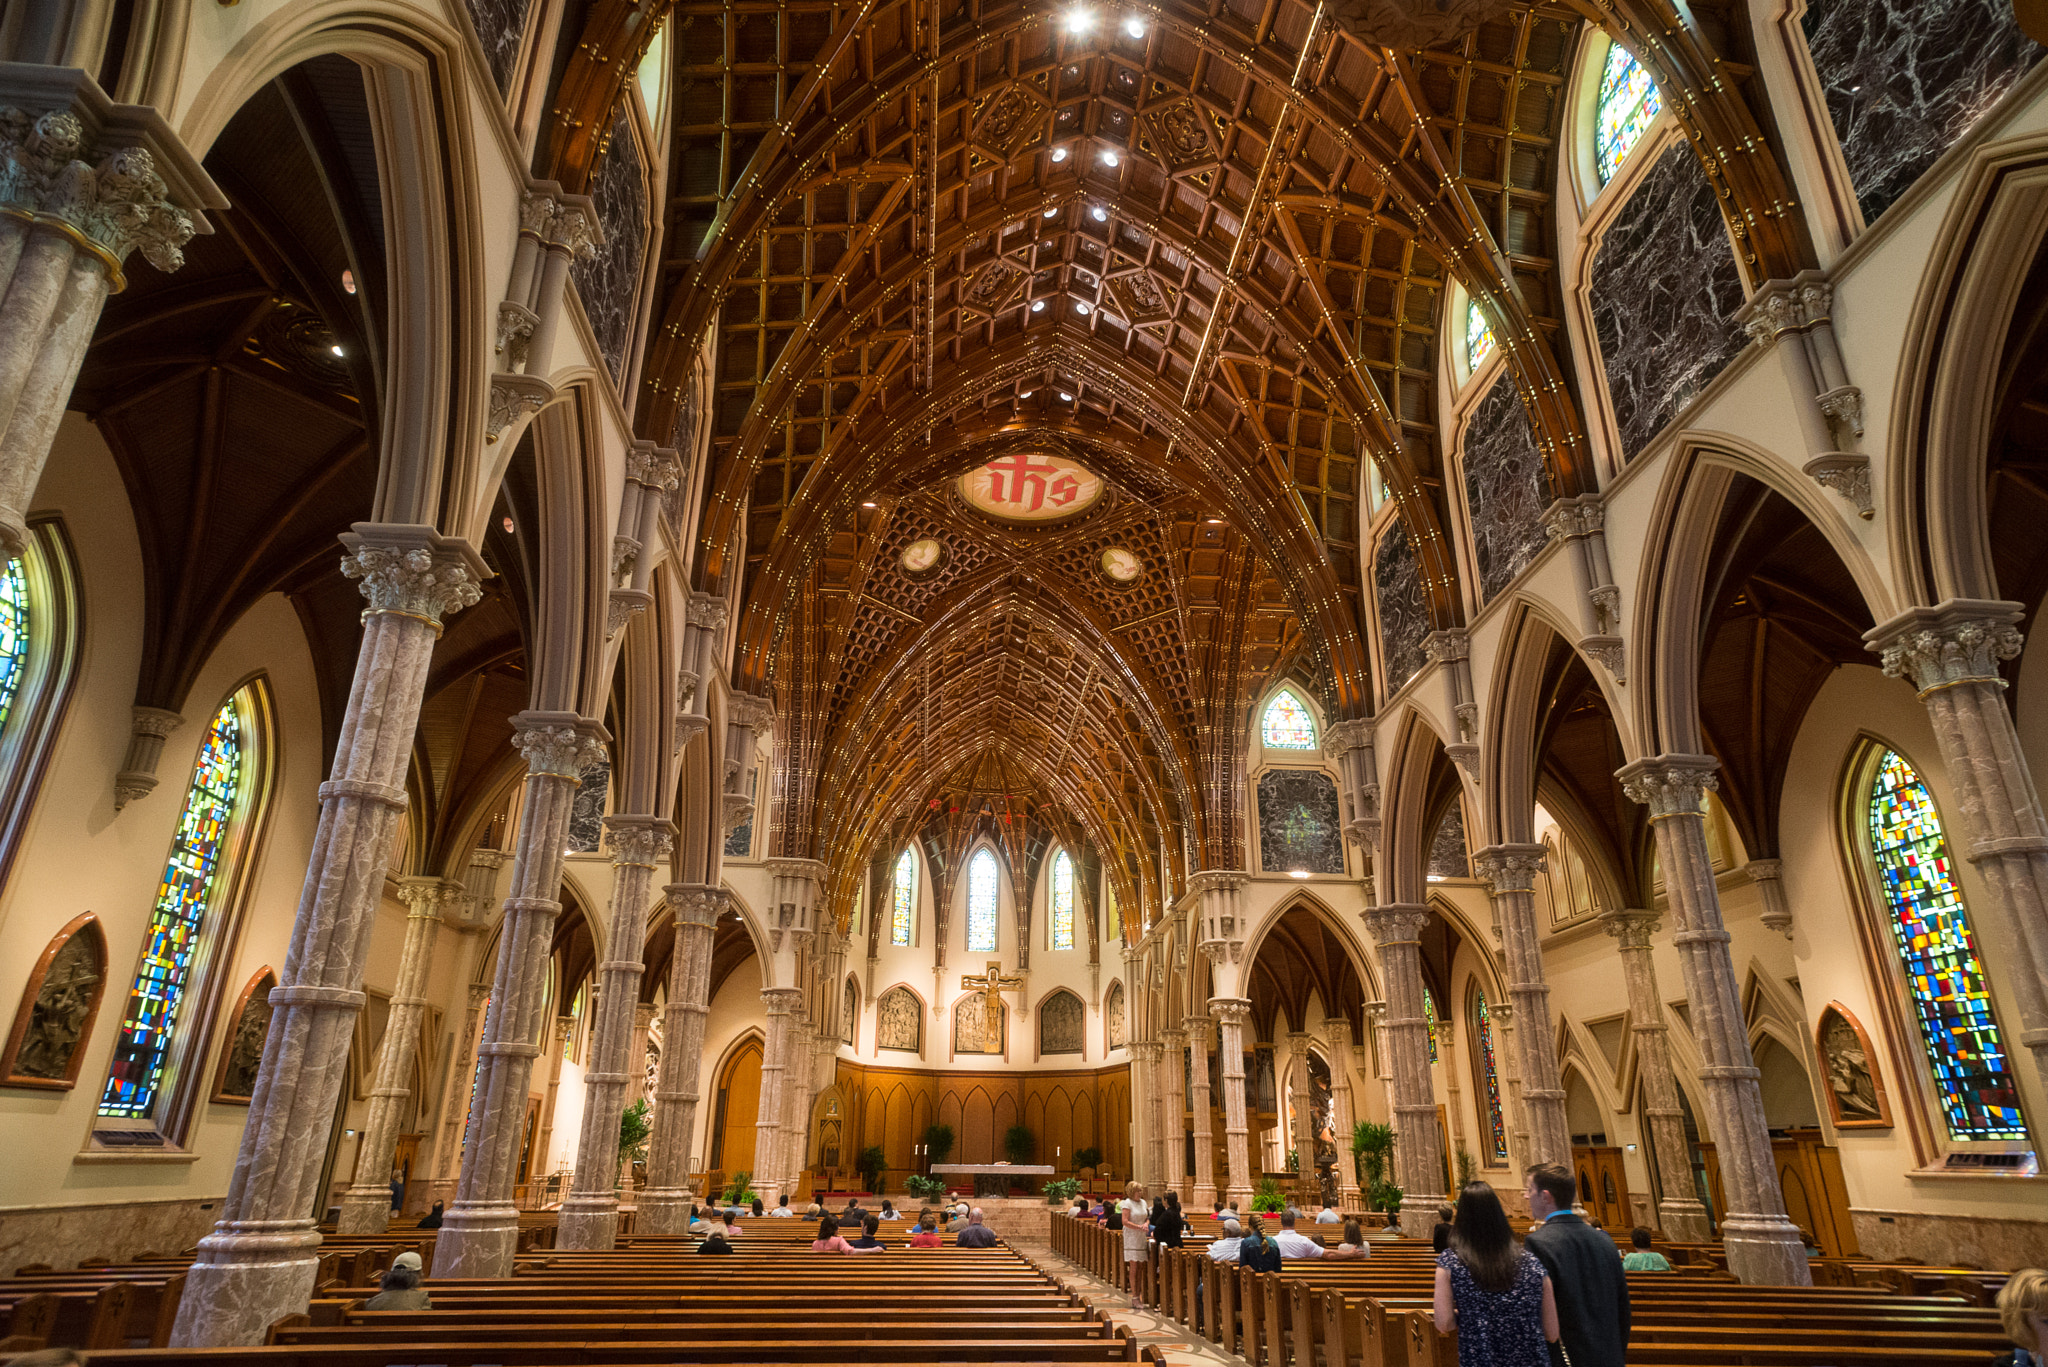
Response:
column 1816, row 1197
column 739, row 1109
column 1603, row 1186
column 526, row 1145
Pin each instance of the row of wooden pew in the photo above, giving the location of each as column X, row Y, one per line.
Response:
column 1378, row 1311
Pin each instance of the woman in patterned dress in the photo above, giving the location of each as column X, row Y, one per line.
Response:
column 1492, row 1290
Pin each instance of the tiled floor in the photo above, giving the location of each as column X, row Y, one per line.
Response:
column 1153, row 1330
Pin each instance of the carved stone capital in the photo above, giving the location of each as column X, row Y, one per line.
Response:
column 1670, row 785
column 1845, row 406
column 423, row 895
column 1631, row 927
column 1573, row 517
column 1445, row 646
column 706, row 610
column 515, row 328
column 812, row 870
column 1345, row 736
column 1960, row 641
column 1510, row 868
column 154, row 721
column 514, row 397
column 1207, row 882
column 750, row 710
column 479, row 993
column 689, row 726
column 1395, row 923
column 1230, row 1010
column 697, row 904
column 413, row 571
column 559, row 743
column 640, row 840
column 536, row 211
column 574, row 228
column 1848, row 475
column 1610, row 652
column 621, row 607
column 739, row 810
column 654, row 466
column 1765, row 870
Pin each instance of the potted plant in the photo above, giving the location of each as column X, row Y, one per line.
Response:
column 741, row 1192
column 634, row 1129
column 1059, row 1193
column 873, row 1161
column 1269, row 1198
column 1087, row 1160
column 923, row 1187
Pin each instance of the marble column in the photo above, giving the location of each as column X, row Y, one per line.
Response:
column 1231, row 1014
column 1453, row 1074
column 480, row 1231
column 461, row 1083
column 783, row 1004
column 1950, row 654
column 1174, row 1128
column 366, row 1206
column 1204, row 1193
column 259, row 1262
column 1418, row 1151
column 590, row 1214
column 1342, row 1119
column 1300, row 1107
column 666, row 1201
column 638, row 1086
column 1376, row 1021
column 1762, row 1245
column 1679, row 1213
column 83, row 182
column 1512, row 870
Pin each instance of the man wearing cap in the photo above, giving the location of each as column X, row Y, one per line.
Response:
column 401, row 1289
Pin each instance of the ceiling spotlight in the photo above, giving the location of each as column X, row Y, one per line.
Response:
column 1027, row 393
column 1052, row 213
column 1079, row 20
column 1038, row 306
column 1135, row 26
column 1101, row 214
column 1215, row 522
column 336, row 349
column 1081, row 308
column 1059, row 154
column 1109, row 158
column 506, row 523
column 1066, row 397
column 348, row 282
column 867, row 505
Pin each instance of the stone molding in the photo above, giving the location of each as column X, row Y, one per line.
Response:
column 1670, row 785
column 1960, row 641
column 639, row 840
column 1631, row 927
column 558, row 743
column 1395, row 922
column 1510, row 868
column 412, row 570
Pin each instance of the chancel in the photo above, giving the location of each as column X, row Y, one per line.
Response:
column 610, row 607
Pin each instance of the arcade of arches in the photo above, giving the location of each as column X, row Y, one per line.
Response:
column 1143, row 581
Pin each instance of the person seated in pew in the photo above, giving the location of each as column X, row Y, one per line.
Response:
column 401, row 1289
column 782, row 1210
column 1644, row 1258
column 759, row 1209
column 1394, row 1223
column 1328, row 1216
column 868, row 1226
column 813, row 1211
column 889, row 1212
column 927, row 1233
column 1354, row 1245
column 1224, row 1249
column 976, row 1234
column 1440, row 1237
column 956, row 1218
column 829, row 1240
column 732, row 1220
column 432, row 1219
column 1080, row 1210
column 1492, row 1290
column 715, row 1244
column 1293, row 1244
column 2022, row 1312
column 1217, row 1213
column 1255, row 1250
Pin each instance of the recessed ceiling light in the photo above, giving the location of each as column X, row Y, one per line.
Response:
column 1109, row 158
column 336, row 349
column 1101, row 214
column 1052, row 213
column 1135, row 26
column 867, row 505
column 1059, row 154
column 1027, row 393
column 1066, row 397
column 1079, row 20
column 1215, row 522
column 1081, row 308
column 348, row 282
column 506, row 523
column 1038, row 306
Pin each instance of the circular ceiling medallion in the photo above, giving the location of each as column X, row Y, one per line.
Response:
column 1031, row 487
column 921, row 556
column 1121, row 566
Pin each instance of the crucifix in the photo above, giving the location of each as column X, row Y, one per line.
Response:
column 991, row 985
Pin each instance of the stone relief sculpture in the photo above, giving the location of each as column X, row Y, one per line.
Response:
column 899, row 1024
column 1115, row 1014
column 1855, row 1093
column 970, row 1032
column 57, row 1009
column 249, row 1028
column 1060, row 1025
column 847, row 1014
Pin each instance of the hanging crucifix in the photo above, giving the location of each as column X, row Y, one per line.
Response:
column 991, row 985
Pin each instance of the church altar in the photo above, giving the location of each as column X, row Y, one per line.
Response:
column 993, row 1179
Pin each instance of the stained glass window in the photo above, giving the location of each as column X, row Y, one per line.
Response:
column 1478, row 336
column 1116, row 912
column 903, row 910
column 182, row 901
column 1062, row 901
column 476, row 1076
column 1489, row 1077
column 1628, row 105
column 1938, row 951
column 1288, row 725
column 13, row 636
column 1429, row 1019
column 981, row 904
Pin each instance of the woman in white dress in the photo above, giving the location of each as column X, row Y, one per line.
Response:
column 1137, row 1238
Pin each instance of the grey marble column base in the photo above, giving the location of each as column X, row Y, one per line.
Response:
column 1418, row 1213
column 1203, row 1196
column 364, row 1211
column 1765, row 1252
column 477, row 1241
column 1685, row 1222
column 662, row 1212
column 246, row 1279
column 589, row 1224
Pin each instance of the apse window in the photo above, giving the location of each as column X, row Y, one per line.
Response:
column 1628, row 104
column 1062, row 901
column 1287, row 724
column 1479, row 345
column 981, row 903
column 903, row 909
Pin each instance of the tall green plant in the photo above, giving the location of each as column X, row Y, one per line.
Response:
column 1372, row 1151
column 1087, row 1158
column 634, row 1129
column 938, row 1143
column 870, row 1165
column 1019, row 1144
column 1269, row 1197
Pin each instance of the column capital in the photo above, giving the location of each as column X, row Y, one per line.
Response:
column 1574, row 517
column 1396, row 922
column 750, row 710
column 1375, row 1012
column 706, row 610
column 1960, row 641
column 1343, row 737
column 654, row 466
column 782, row 1000
column 1501, row 1013
column 574, row 226
column 412, row 570
column 643, row 1015
column 479, row 993
column 558, row 743
column 1510, row 868
column 1196, row 1026
column 1173, row 1037
column 1230, row 1010
column 1631, row 927
column 1670, row 785
column 812, row 869
column 1443, row 647
column 697, row 904
column 640, row 840
column 1765, row 870
column 1204, row 882
column 423, row 894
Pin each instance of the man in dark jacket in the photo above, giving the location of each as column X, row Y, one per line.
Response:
column 1585, row 1272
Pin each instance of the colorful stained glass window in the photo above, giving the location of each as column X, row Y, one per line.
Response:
column 903, row 909
column 1489, row 1078
column 1938, row 950
column 476, row 1076
column 175, row 927
column 1478, row 336
column 1429, row 1018
column 1287, row 724
column 1628, row 105
column 13, row 636
column 981, row 904
column 1062, row 901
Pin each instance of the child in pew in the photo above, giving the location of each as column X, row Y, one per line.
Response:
column 1354, row 1245
column 1644, row 1258
column 2022, row 1311
column 401, row 1289
column 829, row 1240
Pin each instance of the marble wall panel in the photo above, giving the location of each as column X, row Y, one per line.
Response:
column 1404, row 617
column 121, row 1231
column 1905, row 79
column 1506, row 487
column 1664, row 293
column 609, row 282
column 1447, row 856
column 1946, row 1239
column 586, row 813
column 500, row 24
column 1298, row 822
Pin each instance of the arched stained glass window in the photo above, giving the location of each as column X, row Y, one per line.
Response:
column 1062, row 901
column 1116, row 911
column 1478, row 336
column 1489, row 1078
column 183, row 899
column 981, row 903
column 1628, row 105
column 1931, row 930
column 1287, row 724
column 903, row 907
column 14, row 627
column 1429, row 1018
